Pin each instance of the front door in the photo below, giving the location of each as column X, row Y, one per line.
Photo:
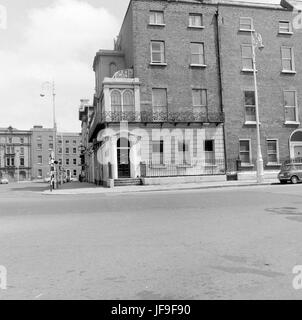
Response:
column 123, row 158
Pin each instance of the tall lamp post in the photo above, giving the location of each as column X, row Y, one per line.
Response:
column 257, row 43
column 49, row 87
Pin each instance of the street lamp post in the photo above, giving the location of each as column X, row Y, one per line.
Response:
column 50, row 86
column 257, row 43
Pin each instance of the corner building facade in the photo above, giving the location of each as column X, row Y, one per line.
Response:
column 157, row 99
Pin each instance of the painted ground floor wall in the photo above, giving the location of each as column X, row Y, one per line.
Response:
column 156, row 151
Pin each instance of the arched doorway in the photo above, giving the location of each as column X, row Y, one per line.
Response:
column 295, row 144
column 123, row 158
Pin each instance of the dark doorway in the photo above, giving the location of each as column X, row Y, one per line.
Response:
column 123, row 158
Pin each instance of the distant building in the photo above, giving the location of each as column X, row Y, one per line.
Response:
column 85, row 115
column 15, row 154
column 67, row 153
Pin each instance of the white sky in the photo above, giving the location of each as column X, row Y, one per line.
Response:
column 47, row 40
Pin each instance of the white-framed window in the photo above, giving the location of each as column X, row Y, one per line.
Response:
column 287, row 56
column 247, row 57
column 74, row 161
column 246, row 24
column 184, row 151
column 158, row 152
column 67, row 162
column 67, row 150
column 250, row 106
column 290, row 106
column 74, row 150
column 195, row 20
column 199, row 97
column 122, row 100
column 157, row 52
column 285, row 27
column 272, row 151
column 245, row 151
column 74, row 173
column 209, row 149
column 197, row 54
column 159, row 100
column 39, row 147
column 40, row 160
column 156, row 18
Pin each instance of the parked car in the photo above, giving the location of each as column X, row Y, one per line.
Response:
column 3, row 181
column 290, row 172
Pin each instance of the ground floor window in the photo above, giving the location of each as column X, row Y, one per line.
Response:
column 184, row 151
column 158, row 152
column 272, row 150
column 209, row 150
column 245, row 151
column 75, row 173
column 40, row 173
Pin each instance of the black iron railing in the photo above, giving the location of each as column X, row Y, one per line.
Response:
column 149, row 116
column 194, row 168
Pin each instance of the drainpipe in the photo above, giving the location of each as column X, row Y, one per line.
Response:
column 218, row 42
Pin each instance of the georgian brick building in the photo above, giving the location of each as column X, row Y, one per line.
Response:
column 15, row 155
column 180, row 81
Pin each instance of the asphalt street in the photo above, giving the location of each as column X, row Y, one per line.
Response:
column 234, row 243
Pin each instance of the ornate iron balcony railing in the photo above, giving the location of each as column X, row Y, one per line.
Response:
column 149, row 116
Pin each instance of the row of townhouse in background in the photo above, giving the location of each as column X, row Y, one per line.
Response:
column 25, row 154
column 180, row 78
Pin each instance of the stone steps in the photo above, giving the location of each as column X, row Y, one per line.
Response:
column 127, row 182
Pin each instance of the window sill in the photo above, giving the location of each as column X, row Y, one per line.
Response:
column 161, row 64
column 247, row 165
column 183, row 166
column 247, row 30
column 248, row 70
column 292, row 123
column 195, row 27
column 156, row 24
column 193, row 65
column 251, row 123
column 285, row 32
column 289, row 71
column 273, row 164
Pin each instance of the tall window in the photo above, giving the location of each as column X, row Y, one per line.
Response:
column 22, row 150
column 40, row 173
column 290, row 106
column 245, row 151
column 51, row 146
column 246, row 24
column 285, row 27
column 272, row 151
column 116, row 101
column 158, row 152
column 39, row 147
column 40, row 159
column 22, row 162
column 250, row 106
column 209, row 151
column 199, row 100
column 74, row 161
column 156, row 17
column 197, row 53
column 287, row 56
column 159, row 100
column 184, row 151
column 74, row 150
column 128, row 101
column 22, row 140
column 195, row 20
column 157, row 52
column 67, row 150
column 247, row 57
column 67, row 162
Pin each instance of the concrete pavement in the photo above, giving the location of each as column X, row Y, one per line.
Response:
column 79, row 188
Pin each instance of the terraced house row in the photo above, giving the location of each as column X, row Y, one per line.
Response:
column 176, row 95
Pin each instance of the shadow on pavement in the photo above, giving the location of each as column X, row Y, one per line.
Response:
column 30, row 188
